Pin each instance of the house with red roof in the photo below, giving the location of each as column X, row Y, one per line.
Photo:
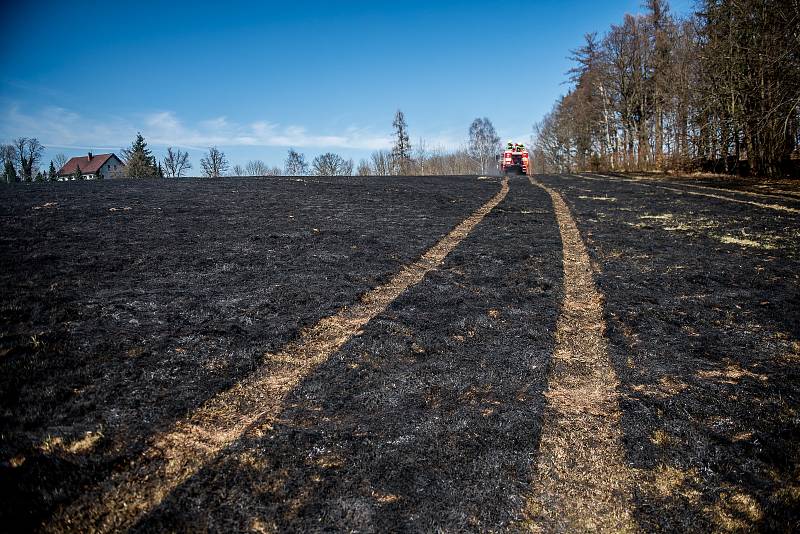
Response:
column 93, row 167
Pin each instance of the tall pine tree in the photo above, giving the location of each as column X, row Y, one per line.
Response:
column 9, row 172
column 139, row 160
column 401, row 152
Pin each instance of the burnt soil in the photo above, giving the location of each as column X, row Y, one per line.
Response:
column 118, row 323
column 430, row 418
column 703, row 316
column 776, row 188
column 126, row 304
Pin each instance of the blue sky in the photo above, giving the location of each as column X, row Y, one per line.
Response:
column 255, row 78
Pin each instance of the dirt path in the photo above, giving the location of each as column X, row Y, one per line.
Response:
column 582, row 482
column 174, row 456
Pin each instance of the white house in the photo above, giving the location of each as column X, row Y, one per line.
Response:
column 93, row 167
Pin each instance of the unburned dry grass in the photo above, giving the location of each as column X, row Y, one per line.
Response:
column 582, row 480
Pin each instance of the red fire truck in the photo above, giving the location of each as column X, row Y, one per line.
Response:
column 514, row 159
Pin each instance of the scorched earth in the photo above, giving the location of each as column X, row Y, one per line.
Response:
column 401, row 353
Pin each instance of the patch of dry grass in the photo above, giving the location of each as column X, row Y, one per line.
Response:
column 58, row 444
column 663, row 216
column 744, row 242
column 735, row 511
column 603, row 198
column 582, row 482
column 732, row 374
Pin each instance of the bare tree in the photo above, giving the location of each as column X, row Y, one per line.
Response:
column 382, row 163
column 330, row 164
column 296, row 164
column 59, row 161
column 214, row 163
column 20, row 144
column 484, row 143
column 256, row 167
column 238, row 170
column 8, row 153
column 363, row 168
column 751, row 61
column 29, row 154
column 457, row 162
column 421, row 156
column 554, row 142
column 176, row 162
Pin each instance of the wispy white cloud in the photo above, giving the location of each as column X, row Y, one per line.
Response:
column 56, row 126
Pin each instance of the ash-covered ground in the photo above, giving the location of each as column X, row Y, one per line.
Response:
column 126, row 305
column 703, row 315
column 430, row 418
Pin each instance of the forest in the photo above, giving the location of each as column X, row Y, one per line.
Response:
column 716, row 91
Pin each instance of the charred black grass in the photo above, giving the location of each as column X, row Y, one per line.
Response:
column 127, row 304
column 430, row 418
column 704, row 337
column 784, row 190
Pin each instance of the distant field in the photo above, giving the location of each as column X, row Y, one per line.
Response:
column 156, row 335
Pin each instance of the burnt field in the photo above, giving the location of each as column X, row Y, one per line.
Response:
column 153, row 371
column 127, row 304
column 703, row 318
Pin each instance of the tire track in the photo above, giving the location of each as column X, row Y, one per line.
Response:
column 582, row 482
column 174, row 456
column 787, row 196
column 729, row 199
column 778, row 207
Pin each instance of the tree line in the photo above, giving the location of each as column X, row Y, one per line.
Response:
column 716, row 91
column 21, row 159
column 477, row 156
column 402, row 159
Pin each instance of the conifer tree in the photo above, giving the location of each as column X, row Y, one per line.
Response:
column 139, row 161
column 51, row 173
column 401, row 152
column 9, row 172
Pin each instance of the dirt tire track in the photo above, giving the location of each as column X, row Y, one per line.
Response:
column 729, row 199
column 777, row 194
column 778, row 207
column 174, row 456
column 582, row 482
